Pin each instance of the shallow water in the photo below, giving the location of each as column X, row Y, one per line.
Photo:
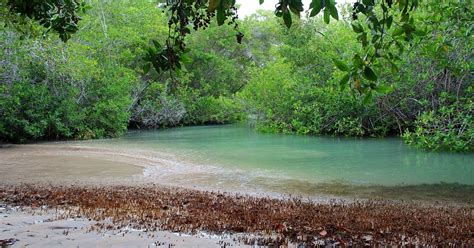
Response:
column 385, row 161
column 236, row 157
column 239, row 158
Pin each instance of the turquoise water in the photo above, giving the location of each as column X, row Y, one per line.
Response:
column 384, row 161
column 238, row 154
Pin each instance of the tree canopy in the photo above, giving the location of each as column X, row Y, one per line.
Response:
column 313, row 78
column 380, row 25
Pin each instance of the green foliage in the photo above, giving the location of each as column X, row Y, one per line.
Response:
column 53, row 91
column 449, row 128
column 29, row 113
column 60, row 16
column 106, row 111
column 377, row 41
column 301, row 94
column 169, row 55
column 350, row 77
column 278, row 101
column 208, row 109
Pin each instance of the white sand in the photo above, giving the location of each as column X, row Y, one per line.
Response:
column 32, row 230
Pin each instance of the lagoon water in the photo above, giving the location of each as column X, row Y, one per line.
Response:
column 238, row 158
column 381, row 161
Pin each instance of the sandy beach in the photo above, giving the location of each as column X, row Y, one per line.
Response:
column 26, row 226
column 82, row 197
column 22, row 228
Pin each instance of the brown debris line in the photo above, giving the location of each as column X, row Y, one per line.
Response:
column 276, row 221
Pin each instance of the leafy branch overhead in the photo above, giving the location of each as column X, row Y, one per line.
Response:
column 380, row 27
column 186, row 14
column 61, row 16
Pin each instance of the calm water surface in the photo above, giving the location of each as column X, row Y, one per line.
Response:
column 238, row 156
column 384, row 161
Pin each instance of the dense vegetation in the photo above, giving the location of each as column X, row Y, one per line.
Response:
column 98, row 84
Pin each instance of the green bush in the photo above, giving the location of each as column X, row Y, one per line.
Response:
column 54, row 96
column 208, row 109
column 451, row 127
column 279, row 102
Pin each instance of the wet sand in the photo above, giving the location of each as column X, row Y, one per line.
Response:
column 65, row 165
column 102, row 192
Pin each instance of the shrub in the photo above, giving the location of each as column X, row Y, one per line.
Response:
column 451, row 127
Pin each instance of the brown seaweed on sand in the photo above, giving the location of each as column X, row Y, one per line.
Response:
column 260, row 220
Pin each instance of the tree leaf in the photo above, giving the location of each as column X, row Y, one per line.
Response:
column 340, row 65
column 146, row 68
column 220, row 16
column 368, row 97
column 357, row 27
column 315, row 6
column 389, row 21
column 363, row 39
column 326, row 15
column 369, row 74
column 403, row 5
column 287, row 19
column 393, row 67
column 296, row 6
column 398, row 31
column 357, row 61
column 156, row 44
column 344, row 80
column 333, row 11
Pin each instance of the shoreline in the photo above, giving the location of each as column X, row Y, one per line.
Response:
column 255, row 220
column 71, row 163
column 92, row 194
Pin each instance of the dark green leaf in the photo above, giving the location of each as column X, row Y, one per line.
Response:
column 315, row 6
column 326, row 15
column 287, row 19
column 296, row 6
column 220, row 16
column 389, row 21
column 403, row 5
column 368, row 2
column 340, row 65
column 333, row 11
column 146, row 68
column 156, row 44
column 344, row 81
column 368, row 97
column 398, row 31
column 369, row 74
column 357, row 61
column 357, row 27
